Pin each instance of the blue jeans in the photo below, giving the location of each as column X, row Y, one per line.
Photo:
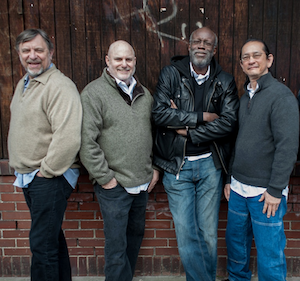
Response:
column 194, row 201
column 124, row 225
column 47, row 202
column 245, row 219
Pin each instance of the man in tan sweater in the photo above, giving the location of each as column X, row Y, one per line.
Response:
column 43, row 143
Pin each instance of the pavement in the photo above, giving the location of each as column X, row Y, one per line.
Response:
column 142, row 278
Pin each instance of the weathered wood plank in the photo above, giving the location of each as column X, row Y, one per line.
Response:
column 153, row 47
column 225, row 46
column 63, row 37
column 181, row 22
column 255, row 19
column 270, row 28
column 16, row 26
column 93, row 35
column 165, row 25
column 47, row 21
column 240, row 36
column 79, row 64
column 31, row 14
column 284, row 35
column 295, row 50
column 197, row 15
column 5, row 78
column 138, row 37
column 123, row 20
column 107, row 26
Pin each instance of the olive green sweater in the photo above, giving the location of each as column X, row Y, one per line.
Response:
column 116, row 137
column 45, row 125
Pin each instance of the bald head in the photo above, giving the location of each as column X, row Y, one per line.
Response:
column 206, row 30
column 121, row 60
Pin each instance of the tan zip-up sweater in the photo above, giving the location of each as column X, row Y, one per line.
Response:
column 45, row 125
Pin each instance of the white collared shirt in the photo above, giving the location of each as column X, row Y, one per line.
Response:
column 127, row 90
column 200, row 79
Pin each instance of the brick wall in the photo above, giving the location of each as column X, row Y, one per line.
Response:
column 83, row 229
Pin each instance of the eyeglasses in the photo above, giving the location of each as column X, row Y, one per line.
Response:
column 198, row 42
column 255, row 56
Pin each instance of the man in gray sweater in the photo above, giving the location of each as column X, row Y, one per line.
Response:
column 265, row 153
column 116, row 150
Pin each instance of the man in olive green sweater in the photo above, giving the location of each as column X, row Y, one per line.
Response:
column 116, row 150
column 43, row 143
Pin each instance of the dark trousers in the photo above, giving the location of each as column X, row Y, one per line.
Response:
column 47, row 202
column 124, row 226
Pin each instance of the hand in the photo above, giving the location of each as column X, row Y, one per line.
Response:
column 111, row 184
column 209, row 117
column 227, row 191
column 39, row 174
column 271, row 204
column 182, row 132
column 173, row 105
column 154, row 180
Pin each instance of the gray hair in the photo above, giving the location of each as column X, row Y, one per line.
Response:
column 29, row 34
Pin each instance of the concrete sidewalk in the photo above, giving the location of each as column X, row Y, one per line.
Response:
column 142, row 278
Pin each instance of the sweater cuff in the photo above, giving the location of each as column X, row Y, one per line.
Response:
column 274, row 192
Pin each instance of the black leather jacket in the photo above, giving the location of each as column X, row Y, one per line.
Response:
column 175, row 82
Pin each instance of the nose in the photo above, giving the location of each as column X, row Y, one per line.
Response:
column 124, row 63
column 32, row 54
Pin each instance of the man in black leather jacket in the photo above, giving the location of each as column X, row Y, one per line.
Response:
column 195, row 113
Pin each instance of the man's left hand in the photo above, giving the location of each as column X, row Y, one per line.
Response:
column 154, row 180
column 271, row 204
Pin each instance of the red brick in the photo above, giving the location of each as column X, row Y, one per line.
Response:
column 72, row 206
column 15, row 233
column 22, row 224
column 82, row 266
column 7, row 224
column 25, row 266
column 16, row 266
column 292, row 252
column 23, row 243
column 90, row 242
column 81, row 197
column 154, row 242
column 22, row 206
column 146, row 251
column 89, row 206
column 15, row 215
column 99, row 233
column 17, row 252
column 92, row 266
column 158, row 224
column 12, row 197
column 70, row 225
column 71, row 242
column 166, row 233
column 7, row 242
column 101, row 263
column 99, row 251
column 7, row 266
column 79, row 233
column 149, row 233
column 77, row 215
column 147, row 266
column 81, row 251
column 95, row 224
column 85, row 187
column 6, row 188
column 73, row 261
column 7, row 179
column 150, row 215
column 166, row 251
column 164, row 215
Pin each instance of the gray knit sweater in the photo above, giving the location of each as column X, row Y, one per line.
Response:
column 116, row 137
column 267, row 142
